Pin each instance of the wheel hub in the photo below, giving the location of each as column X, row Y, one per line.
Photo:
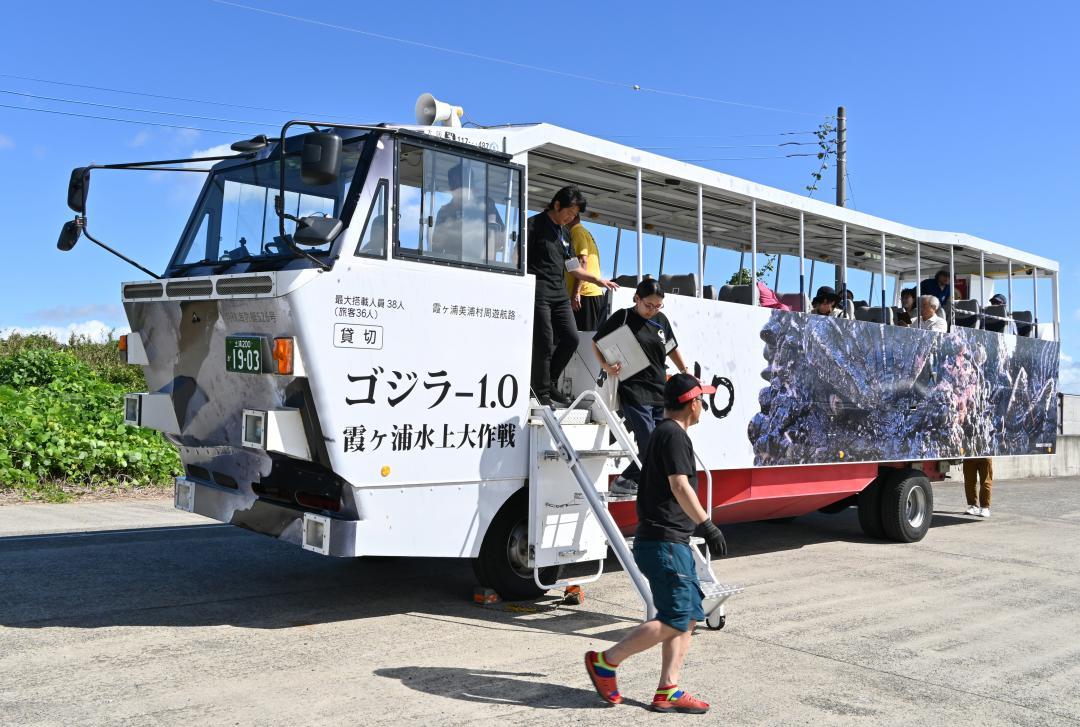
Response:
column 517, row 550
column 915, row 507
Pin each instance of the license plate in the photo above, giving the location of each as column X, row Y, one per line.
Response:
column 244, row 354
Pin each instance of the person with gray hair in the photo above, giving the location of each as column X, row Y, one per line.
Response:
column 928, row 317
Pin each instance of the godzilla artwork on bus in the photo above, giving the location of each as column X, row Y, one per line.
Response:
column 861, row 391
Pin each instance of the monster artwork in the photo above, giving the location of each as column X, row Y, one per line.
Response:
column 844, row 390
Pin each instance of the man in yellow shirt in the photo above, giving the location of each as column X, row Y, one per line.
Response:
column 586, row 299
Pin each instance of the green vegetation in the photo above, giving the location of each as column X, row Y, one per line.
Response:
column 61, row 422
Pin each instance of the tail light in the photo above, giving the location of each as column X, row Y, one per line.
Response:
column 283, row 355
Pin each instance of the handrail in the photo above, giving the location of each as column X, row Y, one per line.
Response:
column 621, row 435
column 599, row 508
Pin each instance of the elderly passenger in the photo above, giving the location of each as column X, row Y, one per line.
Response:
column 928, row 317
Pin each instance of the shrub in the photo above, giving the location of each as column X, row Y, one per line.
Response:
column 61, row 419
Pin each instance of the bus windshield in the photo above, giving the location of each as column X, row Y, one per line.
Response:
column 235, row 219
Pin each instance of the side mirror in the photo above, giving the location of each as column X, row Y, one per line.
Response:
column 320, row 158
column 78, row 188
column 249, row 145
column 69, row 235
column 316, row 231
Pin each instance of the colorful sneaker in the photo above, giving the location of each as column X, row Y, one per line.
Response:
column 673, row 699
column 603, row 677
column 972, row 510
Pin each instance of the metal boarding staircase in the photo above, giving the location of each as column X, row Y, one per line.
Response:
column 550, row 427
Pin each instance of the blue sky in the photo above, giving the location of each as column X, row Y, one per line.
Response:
column 961, row 116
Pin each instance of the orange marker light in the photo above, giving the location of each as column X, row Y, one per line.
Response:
column 122, row 343
column 283, row 355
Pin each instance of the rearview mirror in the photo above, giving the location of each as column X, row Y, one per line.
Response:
column 315, row 231
column 69, row 235
column 320, row 158
column 78, row 188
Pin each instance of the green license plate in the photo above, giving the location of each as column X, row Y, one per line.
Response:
column 244, row 354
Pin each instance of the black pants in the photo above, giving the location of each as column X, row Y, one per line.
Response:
column 591, row 314
column 555, row 339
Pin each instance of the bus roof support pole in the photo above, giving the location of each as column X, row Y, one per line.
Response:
column 918, row 274
column 811, row 286
column 753, row 253
column 615, row 264
column 700, row 244
column 1057, row 304
column 982, row 279
column 802, row 253
column 663, row 252
column 952, row 286
column 776, row 278
column 883, row 275
column 1009, row 302
column 1035, row 298
column 843, row 267
column 640, row 231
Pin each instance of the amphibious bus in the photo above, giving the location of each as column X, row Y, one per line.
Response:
column 344, row 368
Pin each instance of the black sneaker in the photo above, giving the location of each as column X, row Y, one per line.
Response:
column 560, row 398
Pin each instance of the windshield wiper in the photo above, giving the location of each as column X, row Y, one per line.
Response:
column 188, row 266
column 223, row 265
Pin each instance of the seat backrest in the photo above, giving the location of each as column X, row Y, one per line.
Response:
column 709, row 291
column 966, row 313
column 630, row 281
column 1024, row 321
column 795, row 301
column 679, row 284
column 874, row 315
column 736, row 294
column 995, row 318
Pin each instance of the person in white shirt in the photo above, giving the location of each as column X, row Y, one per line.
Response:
column 928, row 317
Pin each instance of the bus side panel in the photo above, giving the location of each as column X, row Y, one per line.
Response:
column 420, row 372
column 800, row 389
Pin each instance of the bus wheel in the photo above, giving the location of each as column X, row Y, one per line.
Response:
column 869, row 502
column 907, row 506
column 504, row 554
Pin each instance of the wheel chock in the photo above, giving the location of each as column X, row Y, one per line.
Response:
column 574, row 596
column 485, row 596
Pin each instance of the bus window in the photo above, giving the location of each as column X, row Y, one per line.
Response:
column 373, row 239
column 455, row 209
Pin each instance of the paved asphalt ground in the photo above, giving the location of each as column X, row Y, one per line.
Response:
column 160, row 618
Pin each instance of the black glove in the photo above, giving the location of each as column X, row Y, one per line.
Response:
column 713, row 538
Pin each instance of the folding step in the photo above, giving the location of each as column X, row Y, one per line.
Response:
column 587, row 453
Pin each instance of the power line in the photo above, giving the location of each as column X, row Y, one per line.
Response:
column 505, row 62
column 739, row 159
column 851, row 191
column 163, row 96
column 114, row 107
column 707, row 136
column 730, row 146
column 112, row 118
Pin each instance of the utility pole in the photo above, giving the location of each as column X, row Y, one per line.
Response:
column 841, row 170
column 841, row 156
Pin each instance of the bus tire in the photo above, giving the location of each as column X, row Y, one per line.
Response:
column 907, row 506
column 503, row 561
column 869, row 504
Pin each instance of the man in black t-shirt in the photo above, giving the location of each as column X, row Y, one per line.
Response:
column 668, row 514
column 555, row 336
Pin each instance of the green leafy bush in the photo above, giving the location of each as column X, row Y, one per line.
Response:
column 61, row 420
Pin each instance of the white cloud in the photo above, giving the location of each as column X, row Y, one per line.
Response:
column 140, row 139
column 6, row 142
column 1069, row 375
column 220, row 150
column 62, row 313
column 94, row 330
